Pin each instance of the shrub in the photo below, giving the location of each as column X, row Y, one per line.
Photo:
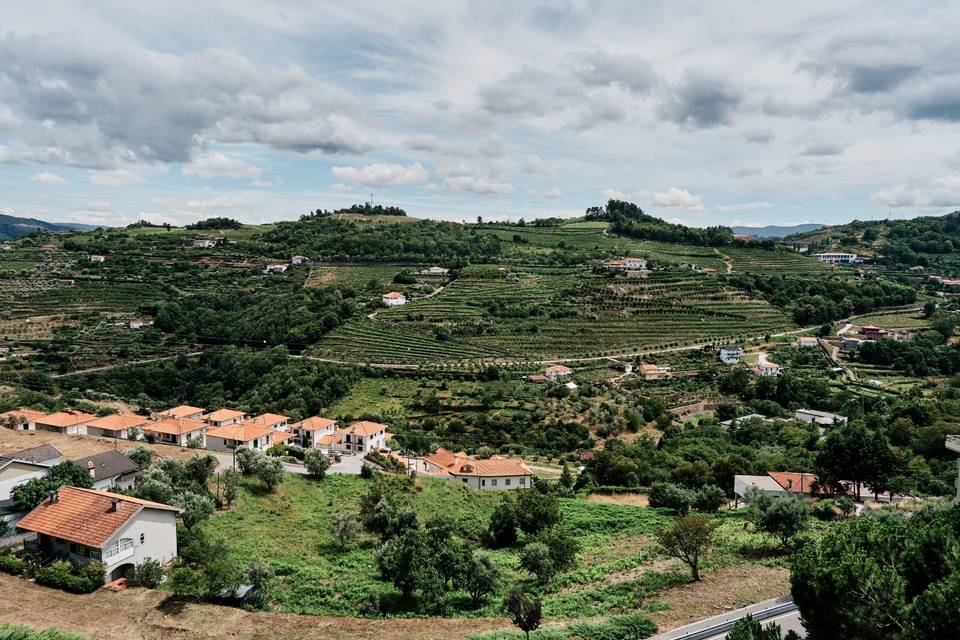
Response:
column 709, row 499
column 9, row 563
column 344, row 527
column 317, row 463
column 148, row 573
column 633, row 626
column 63, row 575
column 671, row 496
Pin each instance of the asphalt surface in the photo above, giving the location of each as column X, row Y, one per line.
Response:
column 348, row 465
column 780, row 611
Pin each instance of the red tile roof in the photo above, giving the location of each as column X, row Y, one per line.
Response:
column 494, row 467
column 181, row 411
column 269, row 419
column 174, row 426
column 315, row 423
column 118, row 422
column 794, row 482
column 240, row 431
column 364, row 428
column 66, row 418
column 85, row 516
column 220, row 415
column 27, row 414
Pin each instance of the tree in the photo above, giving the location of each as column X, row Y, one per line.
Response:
column 671, row 496
column 687, row 539
column 148, row 573
column 196, row 507
column 198, row 469
column 749, row 629
column 782, row 516
column 536, row 510
column 31, row 493
column 230, row 478
column 317, row 463
column 141, row 455
column 525, row 612
column 259, row 574
column 480, row 576
column 929, row 308
column 503, row 522
column 155, row 485
column 709, row 499
column 406, row 561
column 845, row 456
column 344, row 527
column 247, row 459
column 536, row 559
column 566, row 477
column 269, row 471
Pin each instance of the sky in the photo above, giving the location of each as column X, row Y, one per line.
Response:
column 700, row 112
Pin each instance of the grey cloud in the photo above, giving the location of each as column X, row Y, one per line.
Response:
column 89, row 105
column 823, row 148
column 701, row 101
column 530, row 92
column 599, row 68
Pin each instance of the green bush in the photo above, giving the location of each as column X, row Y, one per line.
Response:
column 64, row 575
column 17, row 632
column 148, row 573
column 12, row 564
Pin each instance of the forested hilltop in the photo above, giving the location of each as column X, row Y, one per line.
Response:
column 930, row 241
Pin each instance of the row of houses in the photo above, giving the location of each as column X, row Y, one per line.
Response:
column 221, row 430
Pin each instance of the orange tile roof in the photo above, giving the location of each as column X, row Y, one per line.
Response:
column 315, row 423
column 794, row 482
column 30, row 415
column 364, row 428
column 118, row 421
column 269, row 419
column 281, row 436
column 241, row 431
column 181, row 411
column 330, row 438
column 85, row 516
column 494, row 467
column 393, row 295
column 559, row 368
column 223, row 414
column 174, row 426
column 66, row 418
column 441, row 458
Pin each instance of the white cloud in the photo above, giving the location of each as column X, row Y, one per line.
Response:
column 478, row 185
column 50, row 179
column 673, row 198
column 549, row 194
column 939, row 193
column 613, row 194
column 744, row 206
column 116, row 177
column 340, row 187
column 384, row 175
column 218, row 165
column 953, row 161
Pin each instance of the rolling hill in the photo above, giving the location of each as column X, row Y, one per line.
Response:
column 777, row 231
column 13, row 227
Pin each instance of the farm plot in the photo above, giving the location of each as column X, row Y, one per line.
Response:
column 357, row 277
column 554, row 313
column 765, row 261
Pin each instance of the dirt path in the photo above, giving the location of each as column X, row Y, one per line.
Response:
column 139, row 614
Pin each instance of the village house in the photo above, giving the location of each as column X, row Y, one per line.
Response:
column 205, row 243
column 435, row 271
column 783, row 483
column 766, row 368
column 495, row 473
column 871, row 332
column 557, row 372
column 822, row 418
column 807, row 342
column 311, row 431
column 70, row 422
column 275, row 268
column 48, row 248
column 19, row 467
column 747, row 418
column 271, row 420
column 22, row 419
column 82, row 525
column 183, row 411
column 118, row 425
column 110, row 470
column 394, row 299
column 834, row 257
column 850, row 343
column 653, row 372
column 240, row 434
column 730, row 354
column 362, row 437
column 6, row 246
column 295, row 260
column 224, row 417
column 178, row 431
column 96, row 258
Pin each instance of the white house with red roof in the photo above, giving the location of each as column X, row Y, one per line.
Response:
column 22, row 419
column 117, row 425
column 361, row 438
column 83, row 525
column 224, row 417
column 557, row 372
column 493, row 474
column 313, row 432
column 179, row 431
column 70, row 421
column 394, row 299
column 240, row 434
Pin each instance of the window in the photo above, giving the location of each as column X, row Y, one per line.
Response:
column 142, row 537
column 464, row 479
column 507, row 482
column 523, row 481
column 483, row 483
column 493, row 482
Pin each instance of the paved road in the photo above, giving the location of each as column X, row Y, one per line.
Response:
column 348, row 465
column 781, row 611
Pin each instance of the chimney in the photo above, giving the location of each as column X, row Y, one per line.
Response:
column 115, row 505
column 54, row 496
column 92, row 468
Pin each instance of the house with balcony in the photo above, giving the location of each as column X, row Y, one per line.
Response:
column 18, row 467
column 271, row 420
column 177, row 431
column 83, row 525
column 731, row 354
column 118, row 425
column 394, row 299
column 362, row 437
column 314, row 432
column 557, row 372
column 224, row 417
column 110, row 470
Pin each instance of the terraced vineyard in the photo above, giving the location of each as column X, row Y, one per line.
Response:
column 553, row 313
column 764, row 261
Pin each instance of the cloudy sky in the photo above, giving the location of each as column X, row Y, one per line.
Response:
column 705, row 113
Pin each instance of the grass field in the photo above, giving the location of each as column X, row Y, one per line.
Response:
column 620, row 568
column 913, row 320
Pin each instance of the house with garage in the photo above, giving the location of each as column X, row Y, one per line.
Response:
column 362, row 437
column 493, row 474
column 118, row 425
column 183, row 411
column 22, row 419
column 731, row 354
column 69, row 422
column 240, row 434
column 110, row 470
column 394, row 299
column 310, row 432
column 557, row 372
column 177, row 431
column 83, row 525
column 224, row 417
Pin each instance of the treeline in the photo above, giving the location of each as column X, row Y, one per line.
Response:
column 296, row 318
column 819, row 300
column 253, row 381
column 214, row 223
column 365, row 209
column 326, row 238
column 627, row 219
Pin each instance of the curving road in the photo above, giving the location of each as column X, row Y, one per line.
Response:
column 781, row 611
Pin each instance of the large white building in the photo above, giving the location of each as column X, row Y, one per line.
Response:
column 82, row 525
column 730, row 354
column 836, row 257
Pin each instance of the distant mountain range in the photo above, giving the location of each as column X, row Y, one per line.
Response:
column 775, row 231
column 13, row 227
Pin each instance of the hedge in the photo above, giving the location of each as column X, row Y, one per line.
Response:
column 9, row 563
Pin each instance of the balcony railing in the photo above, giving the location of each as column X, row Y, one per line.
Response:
column 953, row 443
